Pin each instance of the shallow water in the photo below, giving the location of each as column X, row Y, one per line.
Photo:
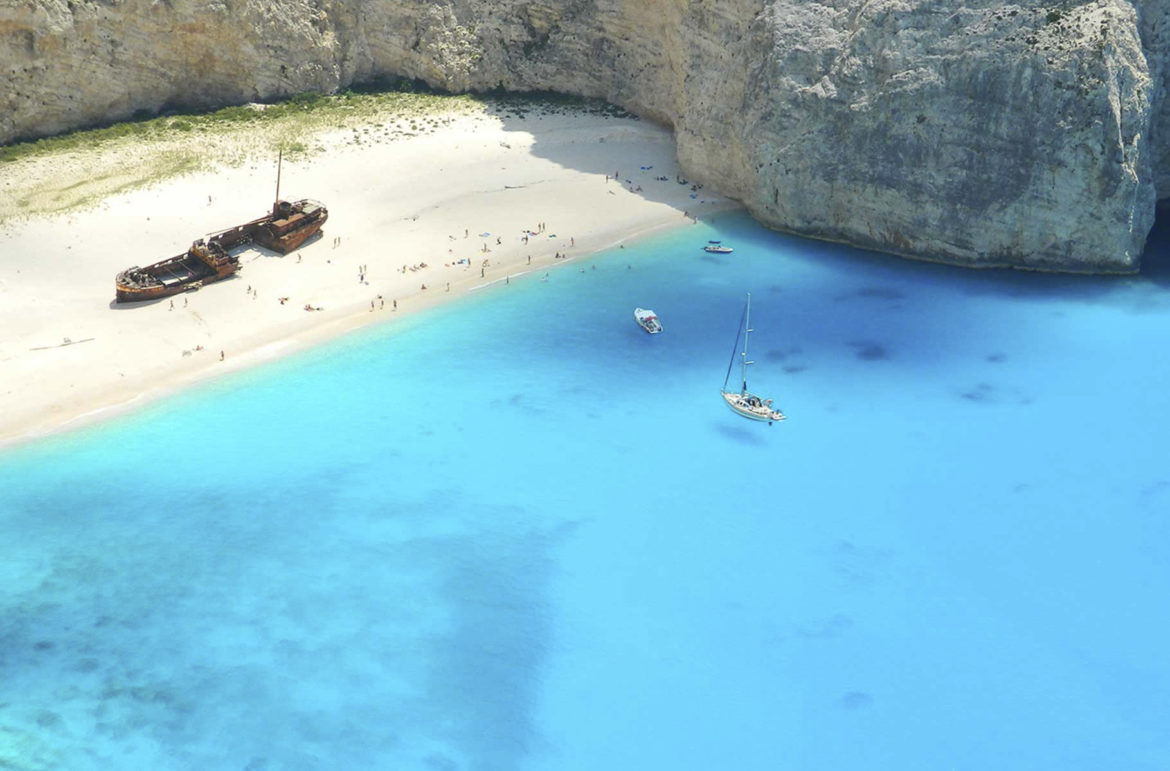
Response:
column 519, row 533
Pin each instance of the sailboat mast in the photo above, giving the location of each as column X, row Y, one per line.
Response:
column 747, row 328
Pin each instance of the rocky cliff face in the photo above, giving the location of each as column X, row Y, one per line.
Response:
column 983, row 134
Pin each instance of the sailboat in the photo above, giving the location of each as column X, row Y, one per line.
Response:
column 744, row 402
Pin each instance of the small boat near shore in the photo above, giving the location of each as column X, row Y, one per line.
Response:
column 648, row 320
column 744, row 402
column 717, row 247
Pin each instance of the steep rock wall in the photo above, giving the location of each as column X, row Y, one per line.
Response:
column 983, row 134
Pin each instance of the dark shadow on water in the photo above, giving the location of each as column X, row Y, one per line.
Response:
column 1003, row 282
column 991, row 394
column 781, row 354
column 1156, row 259
column 873, row 293
column 484, row 673
column 997, row 281
column 522, row 402
column 741, row 434
column 869, row 350
column 852, row 294
column 856, row 700
column 982, row 393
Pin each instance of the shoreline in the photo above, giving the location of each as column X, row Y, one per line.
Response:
column 480, row 192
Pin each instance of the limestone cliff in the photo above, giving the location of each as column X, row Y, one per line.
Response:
column 984, row 133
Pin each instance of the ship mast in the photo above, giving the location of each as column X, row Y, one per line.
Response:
column 747, row 328
column 276, row 203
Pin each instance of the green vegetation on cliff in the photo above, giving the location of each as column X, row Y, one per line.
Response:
column 76, row 169
column 283, row 123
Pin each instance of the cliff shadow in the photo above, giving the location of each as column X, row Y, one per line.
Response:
column 595, row 137
column 1156, row 258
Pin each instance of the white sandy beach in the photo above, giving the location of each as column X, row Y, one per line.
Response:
column 70, row 355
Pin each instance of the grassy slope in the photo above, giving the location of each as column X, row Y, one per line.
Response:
column 77, row 169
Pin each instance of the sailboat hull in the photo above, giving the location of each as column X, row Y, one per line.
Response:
column 752, row 407
column 746, row 404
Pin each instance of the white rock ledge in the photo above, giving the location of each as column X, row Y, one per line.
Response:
column 986, row 134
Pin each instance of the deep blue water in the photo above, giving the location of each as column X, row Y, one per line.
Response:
column 519, row 533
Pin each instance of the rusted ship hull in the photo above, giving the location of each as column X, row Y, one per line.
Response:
column 287, row 227
column 290, row 225
column 199, row 265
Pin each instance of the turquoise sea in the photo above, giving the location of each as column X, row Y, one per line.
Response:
column 520, row 533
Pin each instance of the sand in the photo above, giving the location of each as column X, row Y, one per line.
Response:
column 469, row 190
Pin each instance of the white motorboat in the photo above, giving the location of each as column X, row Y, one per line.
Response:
column 744, row 402
column 647, row 320
column 717, row 247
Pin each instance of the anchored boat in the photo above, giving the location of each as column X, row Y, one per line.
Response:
column 647, row 320
column 744, row 402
